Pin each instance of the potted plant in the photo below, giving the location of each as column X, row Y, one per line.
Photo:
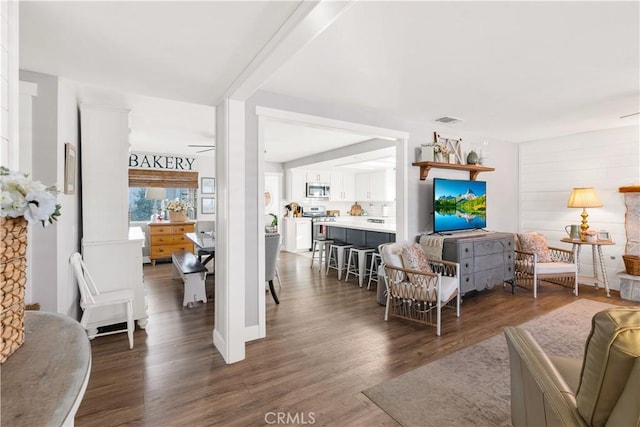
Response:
column 178, row 210
column 273, row 228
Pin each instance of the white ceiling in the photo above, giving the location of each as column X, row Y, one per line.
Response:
column 512, row 71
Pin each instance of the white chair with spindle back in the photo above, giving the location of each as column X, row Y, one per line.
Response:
column 91, row 298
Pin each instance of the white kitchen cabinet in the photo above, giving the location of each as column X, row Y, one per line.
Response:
column 297, row 234
column 376, row 186
column 343, row 187
column 318, row 176
column 296, row 185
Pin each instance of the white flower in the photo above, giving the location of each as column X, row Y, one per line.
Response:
column 20, row 196
column 40, row 205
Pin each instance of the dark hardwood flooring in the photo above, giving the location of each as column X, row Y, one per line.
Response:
column 326, row 342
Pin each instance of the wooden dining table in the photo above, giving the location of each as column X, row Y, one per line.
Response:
column 205, row 242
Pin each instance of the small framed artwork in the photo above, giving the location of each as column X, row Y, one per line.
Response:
column 70, row 161
column 208, row 205
column 208, row 185
column 604, row 235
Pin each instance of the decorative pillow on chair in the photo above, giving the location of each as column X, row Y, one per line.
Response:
column 535, row 243
column 414, row 258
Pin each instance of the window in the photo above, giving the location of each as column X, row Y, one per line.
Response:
column 141, row 208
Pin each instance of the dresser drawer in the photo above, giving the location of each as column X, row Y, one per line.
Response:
column 484, row 247
column 169, row 239
column 160, row 229
column 165, row 251
column 183, row 228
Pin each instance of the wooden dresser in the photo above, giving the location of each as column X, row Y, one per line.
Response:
column 168, row 237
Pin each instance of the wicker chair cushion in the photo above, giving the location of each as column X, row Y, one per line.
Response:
column 537, row 244
column 554, row 267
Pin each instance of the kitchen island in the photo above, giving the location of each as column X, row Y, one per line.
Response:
column 362, row 231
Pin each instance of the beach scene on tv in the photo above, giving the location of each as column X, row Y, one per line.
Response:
column 459, row 205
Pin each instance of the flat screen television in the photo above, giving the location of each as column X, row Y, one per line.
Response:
column 459, row 205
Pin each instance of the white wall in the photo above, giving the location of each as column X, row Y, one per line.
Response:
column 43, row 241
column 55, row 121
column 67, row 226
column 549, row 168
column 9, row 49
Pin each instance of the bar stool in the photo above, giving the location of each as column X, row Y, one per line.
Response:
column 336, row 257
column 359, row 265
column 320, row 251
column 373, row 270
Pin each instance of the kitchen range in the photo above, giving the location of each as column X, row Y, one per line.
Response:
column 319, row 218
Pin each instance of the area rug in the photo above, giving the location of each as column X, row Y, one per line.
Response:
column 471, row 387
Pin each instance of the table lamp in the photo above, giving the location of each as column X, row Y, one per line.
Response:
column 584, row 197
column 155, row 194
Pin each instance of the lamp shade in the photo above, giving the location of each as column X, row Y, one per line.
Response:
column 155, row 193
column 584, row 197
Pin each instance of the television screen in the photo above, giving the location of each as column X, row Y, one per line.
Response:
column 459, row 205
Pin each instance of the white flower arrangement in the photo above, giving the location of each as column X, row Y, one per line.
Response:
column 21, row 196
column 178, row 206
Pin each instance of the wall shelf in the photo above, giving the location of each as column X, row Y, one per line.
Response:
column 474, row 170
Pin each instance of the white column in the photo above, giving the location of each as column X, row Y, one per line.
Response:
column 228, row 333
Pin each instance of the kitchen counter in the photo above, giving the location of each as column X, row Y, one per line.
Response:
column 361, row 223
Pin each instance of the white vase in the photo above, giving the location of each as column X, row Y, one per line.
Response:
column 426, row 154
column 438, row 157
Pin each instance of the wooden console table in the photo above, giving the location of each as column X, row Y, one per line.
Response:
column 598, row 259
column 44, row 381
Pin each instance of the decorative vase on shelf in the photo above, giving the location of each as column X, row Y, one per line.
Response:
column 437, row 157
column 426, row 153
column 13, row 269
column 472, row 158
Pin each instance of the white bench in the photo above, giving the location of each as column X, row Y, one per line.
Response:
column 192, row 273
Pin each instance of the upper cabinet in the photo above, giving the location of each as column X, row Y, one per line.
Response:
column 318, row 176
column 343, row 188
column 296, row 185
column 376, row 186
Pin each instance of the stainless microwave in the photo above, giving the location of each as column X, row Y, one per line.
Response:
column 318, row 190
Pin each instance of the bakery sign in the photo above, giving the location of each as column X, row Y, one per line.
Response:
column 158, row 161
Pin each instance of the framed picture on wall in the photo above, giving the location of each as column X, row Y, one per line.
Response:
column 70, row 161
column 208, row 185
column 208, row 205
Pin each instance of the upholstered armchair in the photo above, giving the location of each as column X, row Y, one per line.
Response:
column 534, row 260
column 601, row 389
column 418, row 287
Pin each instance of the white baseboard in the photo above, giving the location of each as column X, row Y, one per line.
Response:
column 252, row 333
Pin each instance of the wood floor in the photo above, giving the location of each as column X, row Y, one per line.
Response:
column 326, row 342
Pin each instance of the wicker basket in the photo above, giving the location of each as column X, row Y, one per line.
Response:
column 13, row 267
column 632, row 264
column 177, row 216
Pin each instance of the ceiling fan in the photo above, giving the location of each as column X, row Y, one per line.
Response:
column 207, row 147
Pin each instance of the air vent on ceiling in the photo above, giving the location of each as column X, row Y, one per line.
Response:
column 447, row 119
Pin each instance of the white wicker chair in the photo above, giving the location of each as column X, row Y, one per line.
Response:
column 562, row 270
column 415, row 295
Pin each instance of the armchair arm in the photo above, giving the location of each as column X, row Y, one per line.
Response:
column 445, row 268
column 562, row 255
column 525, row 261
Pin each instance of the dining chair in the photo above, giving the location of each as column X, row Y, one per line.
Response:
column 91, row 299
column 271, row 250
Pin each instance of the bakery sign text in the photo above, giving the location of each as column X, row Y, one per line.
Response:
column 161, row 162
